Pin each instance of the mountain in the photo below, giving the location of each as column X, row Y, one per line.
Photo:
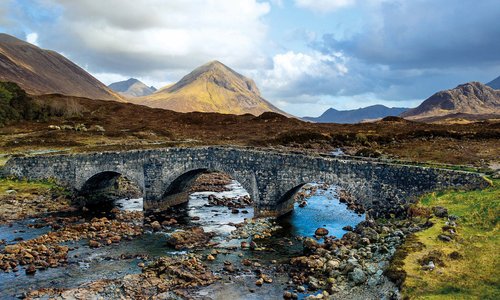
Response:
column 373, row 112
column 132, row 88
column 494, row 84
column 40, row 71
column 472, row 99
column 212, row 87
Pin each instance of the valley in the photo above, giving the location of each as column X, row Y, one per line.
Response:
column 200, row 176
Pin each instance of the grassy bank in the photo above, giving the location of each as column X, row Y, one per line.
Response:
column 466, row 267
column 20, row 199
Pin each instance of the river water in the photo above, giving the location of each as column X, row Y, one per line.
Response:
column 85, row 264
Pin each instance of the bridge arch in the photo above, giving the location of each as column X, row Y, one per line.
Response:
column 98, row 187
column 355, row 186
column 177, row 184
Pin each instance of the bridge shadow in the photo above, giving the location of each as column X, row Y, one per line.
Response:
column 102, row 191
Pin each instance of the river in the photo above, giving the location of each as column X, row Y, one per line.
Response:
column 115, row 261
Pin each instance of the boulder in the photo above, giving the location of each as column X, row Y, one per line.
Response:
column 440, row 212
column 321, row 231
column 357, row 276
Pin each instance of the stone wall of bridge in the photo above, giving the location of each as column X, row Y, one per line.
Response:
column 269, row 177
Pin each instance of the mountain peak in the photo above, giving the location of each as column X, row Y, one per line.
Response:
column 9, row 39
column 40, row 71
column 212, row 87
column 132, row 87
column 472, row 98
column 495, row 83
column 218, row 74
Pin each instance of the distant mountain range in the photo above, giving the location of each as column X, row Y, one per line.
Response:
column 371, row 113
column 472, row 99
column 40, row 71
column 132, row 88
column 215, row 87
column 495, row 83
column 212, row 87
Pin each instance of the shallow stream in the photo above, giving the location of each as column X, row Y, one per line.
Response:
column 85, row 264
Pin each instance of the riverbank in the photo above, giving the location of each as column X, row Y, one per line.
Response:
column 457, row 256
column 212, row 246
column 20, row 199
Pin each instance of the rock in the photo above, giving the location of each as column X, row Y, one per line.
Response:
column 253, row 245
column 287, row 295
column 455, row 255
column 267, row 279
column 246, row 262
column 156, row 226
column 301, row 289
column 12, row 249
column 321, row 232
column 235, row 211
column 440, row 212
column 169, row 222
column 97, row 128
column 348, row 228
column 54, row 127
column 141, row 265
column 332, row 265
column 31, row 270
column 445, row 238
column 430, row 266
column 94, row 244
column 210, row 257
column 190, row 238
column 259, row 282
column 229, row 268
column 357, row 276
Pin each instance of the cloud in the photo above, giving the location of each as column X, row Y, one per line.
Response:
column 32, row 38
column 125, row 37
column 425, row 34
column 323, row 6
column 292, row 69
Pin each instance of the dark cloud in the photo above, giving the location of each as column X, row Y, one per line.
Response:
column 425, row 34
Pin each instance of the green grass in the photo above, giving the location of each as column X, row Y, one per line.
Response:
column 28, row 187
column 477, row 274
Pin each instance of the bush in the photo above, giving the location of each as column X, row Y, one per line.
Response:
column 16, row 105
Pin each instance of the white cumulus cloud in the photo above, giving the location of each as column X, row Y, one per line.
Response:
column 139, row 38
column 291, row 69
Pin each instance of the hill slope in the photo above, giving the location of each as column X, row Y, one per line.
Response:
column 212, row 87
column 41, row 71
column 332, row 115
column 471, row 98
column 132, row 88
column 495, row 83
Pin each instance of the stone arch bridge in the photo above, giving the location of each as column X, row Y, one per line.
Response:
column 271, row 178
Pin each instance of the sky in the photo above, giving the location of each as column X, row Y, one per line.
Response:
column 305, row 55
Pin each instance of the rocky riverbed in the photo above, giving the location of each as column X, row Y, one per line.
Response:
column 208, row 248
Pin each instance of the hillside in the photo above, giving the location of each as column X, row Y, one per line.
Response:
column 471, row 98
column 212, row 87
column 373, row 112
column 40, row 71
column 132, row 88
column 495, row 83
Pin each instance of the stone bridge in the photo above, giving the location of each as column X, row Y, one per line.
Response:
column 271, row 178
